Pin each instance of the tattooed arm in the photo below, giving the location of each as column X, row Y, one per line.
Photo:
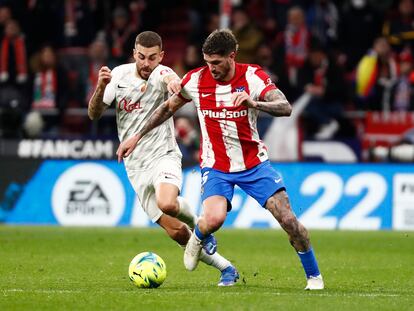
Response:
column 160, row 115
column 275, row 103
column 96, row 105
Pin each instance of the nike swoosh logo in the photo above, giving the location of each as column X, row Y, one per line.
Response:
column 168, row 177
column 277, row 180
column 205, row 95
column 121, row 86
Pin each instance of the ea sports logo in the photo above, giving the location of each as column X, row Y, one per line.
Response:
column 88, row 194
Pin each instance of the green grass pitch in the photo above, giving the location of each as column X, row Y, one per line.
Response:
column 55, row 268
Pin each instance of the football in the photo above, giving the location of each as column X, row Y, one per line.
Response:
column 147, row 270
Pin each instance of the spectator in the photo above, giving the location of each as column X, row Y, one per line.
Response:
column 41, row 22
column 98, row 57
column 404, row 90
column 121, row 36
column 198, row 16
column 382, row 82
column 77, row 29
column 359, row 25
column 13, row 62
column 190, row 61
column 323, row 18
column 5, row 16
column 48, row 81
column 277, row 11
column 212, row 23
column 376, row 76
column 399, row 27
column 136, row 7
column 132, row 8
column 292, row 49
column 323, row 80
column 13, row 80
column 264, row 58
column 49, row 88
column 77, row 22
column 247, row 34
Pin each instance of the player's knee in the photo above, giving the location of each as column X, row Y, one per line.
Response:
column 214, row 221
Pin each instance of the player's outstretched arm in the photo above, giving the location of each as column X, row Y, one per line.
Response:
column 275, row 103
column 160, row 115
column 96, row 106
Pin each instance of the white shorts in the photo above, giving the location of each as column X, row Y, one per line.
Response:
column 144, row 182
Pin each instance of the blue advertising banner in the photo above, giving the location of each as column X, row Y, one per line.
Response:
column 323, row 196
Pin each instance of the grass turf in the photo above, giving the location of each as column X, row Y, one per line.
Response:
column 55, row 268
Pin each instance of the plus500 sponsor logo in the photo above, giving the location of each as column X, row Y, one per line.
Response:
column 224, row 114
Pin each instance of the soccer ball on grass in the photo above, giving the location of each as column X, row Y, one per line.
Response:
column 147, row 270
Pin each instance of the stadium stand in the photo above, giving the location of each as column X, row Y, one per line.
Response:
column 353, row 77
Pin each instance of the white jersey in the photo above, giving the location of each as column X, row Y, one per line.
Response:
column 136, row 99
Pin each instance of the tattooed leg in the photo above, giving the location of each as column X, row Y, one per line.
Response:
column 279, row 206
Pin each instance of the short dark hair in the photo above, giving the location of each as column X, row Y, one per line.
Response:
column 221, row 42
column 148, row 39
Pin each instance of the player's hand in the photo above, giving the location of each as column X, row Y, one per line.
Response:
column 242, row 98
column 174, row 86
column 126, row 147
column 104, row 76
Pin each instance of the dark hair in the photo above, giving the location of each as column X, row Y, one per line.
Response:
column 148, row 39
column 221, row 42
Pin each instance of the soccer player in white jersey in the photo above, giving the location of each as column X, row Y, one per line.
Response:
column 228, row 97
column 154, row 169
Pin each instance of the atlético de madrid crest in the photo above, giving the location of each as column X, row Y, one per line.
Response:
column 239, row 89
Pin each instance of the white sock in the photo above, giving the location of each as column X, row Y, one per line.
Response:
column 185, row 213
column 216, row 260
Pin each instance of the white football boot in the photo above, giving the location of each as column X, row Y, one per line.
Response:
column 315, row 283
column 192, row 252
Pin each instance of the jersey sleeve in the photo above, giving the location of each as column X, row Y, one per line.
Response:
column 263, row 83
column 161, row 73
column 109, row 94
column 185, row 94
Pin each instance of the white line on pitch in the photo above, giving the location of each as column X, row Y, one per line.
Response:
column 166, row 292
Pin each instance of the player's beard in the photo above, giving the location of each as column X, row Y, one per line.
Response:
column 222, row 74
column 144, row 72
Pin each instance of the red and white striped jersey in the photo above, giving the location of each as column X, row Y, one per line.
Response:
column 229, row 139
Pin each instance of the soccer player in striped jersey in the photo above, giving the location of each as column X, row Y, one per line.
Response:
column 154, row 169
column 229, row 97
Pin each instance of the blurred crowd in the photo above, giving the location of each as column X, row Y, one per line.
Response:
column 351, row 57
